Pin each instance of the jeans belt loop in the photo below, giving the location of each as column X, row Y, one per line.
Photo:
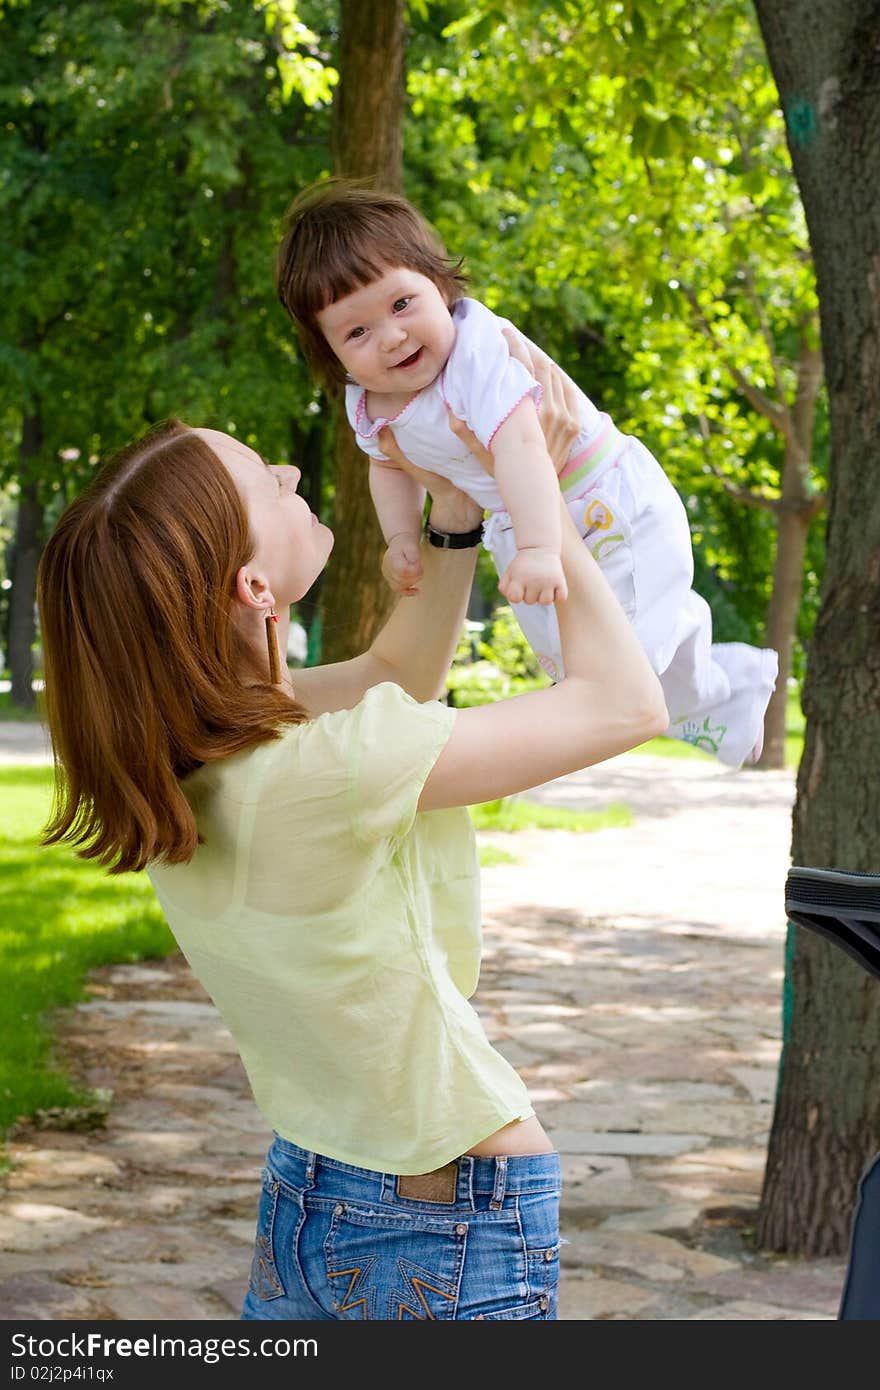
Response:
column 500, row 1182
column 311, row 1161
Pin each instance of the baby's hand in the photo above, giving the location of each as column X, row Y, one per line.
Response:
column 534, row 575
column 402, row 563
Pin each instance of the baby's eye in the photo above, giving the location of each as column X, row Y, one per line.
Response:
column 357, row 333
column 400, row 304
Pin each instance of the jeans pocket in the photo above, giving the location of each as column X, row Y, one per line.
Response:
column 539, row 1214
column 265, row 1281
column 537, row 1308
column 400, row 1268
column 543, row 1276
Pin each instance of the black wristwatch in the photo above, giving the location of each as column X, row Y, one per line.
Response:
column 453, row 540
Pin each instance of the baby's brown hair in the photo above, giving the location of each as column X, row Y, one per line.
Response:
column 340, row 235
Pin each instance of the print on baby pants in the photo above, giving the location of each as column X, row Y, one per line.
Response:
column 599, row 517
column 706, row 736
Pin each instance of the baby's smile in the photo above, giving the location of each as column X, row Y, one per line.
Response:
column 410, row 361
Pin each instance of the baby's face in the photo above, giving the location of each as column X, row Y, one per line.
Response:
column 394, row 335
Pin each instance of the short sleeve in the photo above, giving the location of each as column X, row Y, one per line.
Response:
column 395, row 742
column 367, row 441
column 482, row 383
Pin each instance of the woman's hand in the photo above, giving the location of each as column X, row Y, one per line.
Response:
column 557, row 413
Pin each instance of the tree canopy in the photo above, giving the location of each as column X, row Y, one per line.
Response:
column 615, row 176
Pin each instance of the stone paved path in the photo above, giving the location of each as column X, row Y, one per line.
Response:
column 24, row 742
column 633, row 976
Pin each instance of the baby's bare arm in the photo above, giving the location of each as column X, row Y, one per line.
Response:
column 527, row 480
column 398, row 499
column 529, row 488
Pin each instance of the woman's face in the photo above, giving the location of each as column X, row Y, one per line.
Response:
column 291, row 545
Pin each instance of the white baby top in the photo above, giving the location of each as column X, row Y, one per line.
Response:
column 482, row 385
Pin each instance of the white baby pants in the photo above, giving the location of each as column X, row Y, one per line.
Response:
column 634, row 523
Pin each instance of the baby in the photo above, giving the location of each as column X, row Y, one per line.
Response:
column 379, row 306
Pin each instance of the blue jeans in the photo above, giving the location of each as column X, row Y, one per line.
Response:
column 336, row 1242
column 860, row 1299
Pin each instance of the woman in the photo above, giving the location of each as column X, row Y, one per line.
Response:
column 309, row 844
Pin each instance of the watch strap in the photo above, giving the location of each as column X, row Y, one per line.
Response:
column 453, row 540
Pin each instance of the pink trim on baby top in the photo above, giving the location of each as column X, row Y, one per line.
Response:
column 360, row 411
column 529, row 392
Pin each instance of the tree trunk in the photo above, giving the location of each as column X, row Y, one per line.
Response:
column 826, row 63
column 26, row 547
column 368, row 143
column 368, row 107
column 782, row 611
column 307, row 452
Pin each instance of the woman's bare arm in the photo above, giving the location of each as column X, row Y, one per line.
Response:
column 609, row 701
column 417, row 643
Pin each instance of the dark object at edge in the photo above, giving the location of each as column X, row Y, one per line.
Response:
column 842, row 907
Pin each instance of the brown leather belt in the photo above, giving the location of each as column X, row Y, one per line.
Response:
column 437, row 1186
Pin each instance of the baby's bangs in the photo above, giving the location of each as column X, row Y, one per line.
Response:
column 343, row 266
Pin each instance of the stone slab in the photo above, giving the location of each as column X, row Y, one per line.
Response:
column 36, row 1226
column 575, row 1141
column 589, row 1296
column 654, row 1258
column 745, row 1311
column 816, row 1284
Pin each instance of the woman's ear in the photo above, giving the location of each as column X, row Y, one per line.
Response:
column 252, row 591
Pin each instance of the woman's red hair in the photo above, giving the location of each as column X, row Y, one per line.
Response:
column 143, row 661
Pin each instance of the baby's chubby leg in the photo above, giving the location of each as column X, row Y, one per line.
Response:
column 717, row 692
column 636, row 527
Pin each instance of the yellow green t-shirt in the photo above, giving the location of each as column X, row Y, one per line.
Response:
column 338, row 932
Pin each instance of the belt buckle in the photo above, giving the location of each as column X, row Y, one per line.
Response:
column 437, row 1186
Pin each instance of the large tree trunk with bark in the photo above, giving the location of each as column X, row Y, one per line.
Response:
column 825, row 58
column 368, row 143
column 27, row 544
column 794, row 512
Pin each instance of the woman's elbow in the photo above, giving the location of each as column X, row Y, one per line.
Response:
column 650, row 716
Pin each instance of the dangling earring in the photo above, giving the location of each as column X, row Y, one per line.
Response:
column 272, row 647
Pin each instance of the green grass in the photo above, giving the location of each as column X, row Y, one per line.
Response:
column 9, row 711
column 512, row 814
column 490, row 855
column 61, row 917
column 794, row 737
column 794, row 728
